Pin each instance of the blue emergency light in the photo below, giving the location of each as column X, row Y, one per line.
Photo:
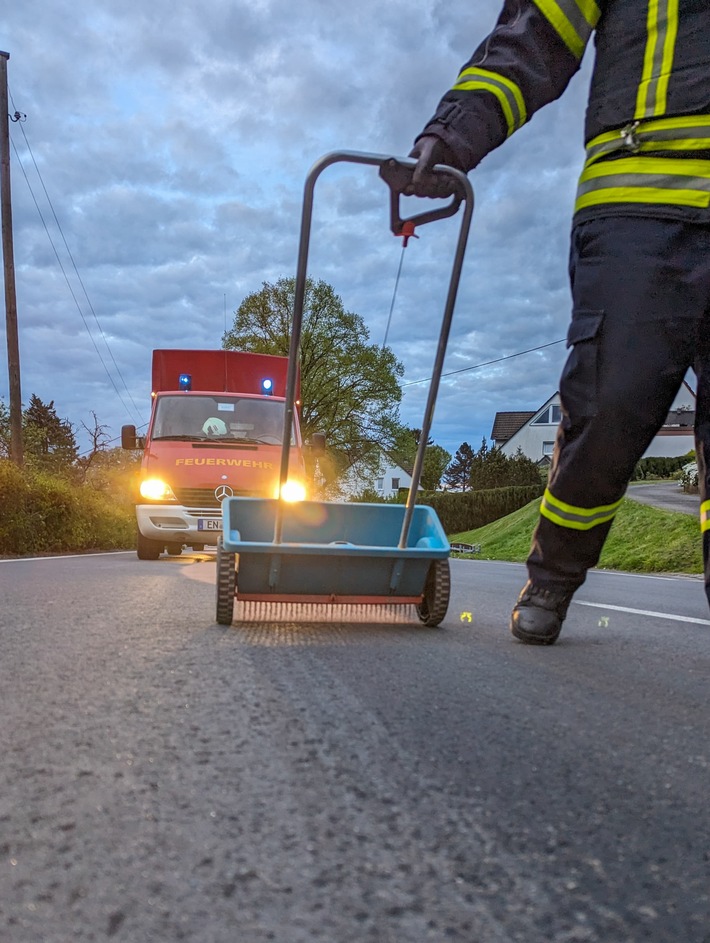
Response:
column 267, row 386
column 185, row 382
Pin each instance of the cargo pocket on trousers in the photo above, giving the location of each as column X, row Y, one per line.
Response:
column 580, row 376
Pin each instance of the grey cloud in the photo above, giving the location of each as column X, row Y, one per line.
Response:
column 174, row 142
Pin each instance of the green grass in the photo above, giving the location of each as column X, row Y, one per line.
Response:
column 642, row 539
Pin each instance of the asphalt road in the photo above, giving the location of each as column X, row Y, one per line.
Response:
column 666, row 495
column 167, row 779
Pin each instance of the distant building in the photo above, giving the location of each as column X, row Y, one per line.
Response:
column 385, row 482
column 533, row 432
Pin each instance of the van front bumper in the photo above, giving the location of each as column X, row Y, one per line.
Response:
column 174, row 524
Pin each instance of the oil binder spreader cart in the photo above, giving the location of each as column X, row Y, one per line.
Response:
column 347, row 554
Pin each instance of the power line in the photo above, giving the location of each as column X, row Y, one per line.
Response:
column 76, row 271
column 487, row 363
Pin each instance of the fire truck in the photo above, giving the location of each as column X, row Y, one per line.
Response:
column 216, row 429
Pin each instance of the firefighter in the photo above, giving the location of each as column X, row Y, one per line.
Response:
column 639, row 258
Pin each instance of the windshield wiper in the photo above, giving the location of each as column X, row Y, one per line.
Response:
column 179, row 438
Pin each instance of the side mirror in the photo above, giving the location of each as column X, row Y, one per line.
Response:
column 317, row 443
column 129, row 439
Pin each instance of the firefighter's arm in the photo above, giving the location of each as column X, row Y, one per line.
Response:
column 526, row 62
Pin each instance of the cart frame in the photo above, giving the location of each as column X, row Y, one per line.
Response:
column 410, row 567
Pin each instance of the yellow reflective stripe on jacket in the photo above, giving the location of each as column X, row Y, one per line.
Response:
column 508, row 93
column 662, row 25
column 572, row 20
column 705, row 516
column 658, row 180
column 567, row 515
column 688, row 133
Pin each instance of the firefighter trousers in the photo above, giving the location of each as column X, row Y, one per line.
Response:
column 640, row 320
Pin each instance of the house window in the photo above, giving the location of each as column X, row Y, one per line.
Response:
column 550, row 417
column 395, row 484
column 548, row 448
column 380, row 484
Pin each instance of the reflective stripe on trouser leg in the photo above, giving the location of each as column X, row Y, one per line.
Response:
column 705, row 516
column 571, row 537
column 576, row 518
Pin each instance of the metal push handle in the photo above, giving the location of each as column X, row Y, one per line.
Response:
column 397, row 174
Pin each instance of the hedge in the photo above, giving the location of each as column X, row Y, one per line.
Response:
column 40, row 513
column 471, row 509
column 661, row 466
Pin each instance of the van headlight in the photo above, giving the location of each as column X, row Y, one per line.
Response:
column 292, row 491
column 155, row 489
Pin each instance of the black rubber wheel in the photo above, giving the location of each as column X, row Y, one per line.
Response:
column 198, row 548
column 174, row 549
column 147, row 549
column 437, row 590
column 226, row 585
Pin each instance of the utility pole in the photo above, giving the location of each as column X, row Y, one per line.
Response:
column 13, row 344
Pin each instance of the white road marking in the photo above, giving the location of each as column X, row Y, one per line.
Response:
column 644, row 612
column 67, row 556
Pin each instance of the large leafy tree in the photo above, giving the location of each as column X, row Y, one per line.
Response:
column 458, row 474
column 349, row 387
column 49, row 441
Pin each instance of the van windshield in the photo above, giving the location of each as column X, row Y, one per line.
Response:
column 226, row 418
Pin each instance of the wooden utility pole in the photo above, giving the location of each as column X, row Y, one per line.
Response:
column 13, row 344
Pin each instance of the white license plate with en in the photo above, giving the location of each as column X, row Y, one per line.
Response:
column 209, row 523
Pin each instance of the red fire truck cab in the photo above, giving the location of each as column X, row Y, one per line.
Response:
column 216, row 430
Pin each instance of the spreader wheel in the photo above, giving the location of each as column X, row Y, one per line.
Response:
column 226, row 585
column 436, row 594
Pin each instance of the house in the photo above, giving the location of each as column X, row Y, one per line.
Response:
column 386, row 482
column 534, row 432
column 677, row 437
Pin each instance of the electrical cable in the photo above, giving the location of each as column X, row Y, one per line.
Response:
column 71, row 290
column 487, row 363
column 76, row 271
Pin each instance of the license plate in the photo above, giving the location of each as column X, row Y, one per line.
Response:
column 209, row 523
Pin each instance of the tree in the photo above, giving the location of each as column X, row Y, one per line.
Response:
column 436, row 458
column 523, row 471
column 99, row 438
column 349, row 388
column 49, row 441
column 458, row 475
column 404, row 450
column 492, row 468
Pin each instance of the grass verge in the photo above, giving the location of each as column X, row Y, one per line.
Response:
column 642, row 539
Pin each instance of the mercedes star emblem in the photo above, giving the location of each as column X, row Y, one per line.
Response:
column 222, row 492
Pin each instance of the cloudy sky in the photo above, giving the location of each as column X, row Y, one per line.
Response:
column 158, row 179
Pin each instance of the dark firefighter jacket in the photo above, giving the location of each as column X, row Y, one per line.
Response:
column 647, row 130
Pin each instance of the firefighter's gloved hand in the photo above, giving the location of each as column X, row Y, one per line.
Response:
column 429, row 151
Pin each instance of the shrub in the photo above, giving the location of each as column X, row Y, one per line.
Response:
column 660, row 466
column 45, row 513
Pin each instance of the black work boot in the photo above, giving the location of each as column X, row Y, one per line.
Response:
column 539, row 613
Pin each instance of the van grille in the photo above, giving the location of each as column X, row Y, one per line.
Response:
column 204, row 497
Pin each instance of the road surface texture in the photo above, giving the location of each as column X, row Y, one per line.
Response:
column 167, row 779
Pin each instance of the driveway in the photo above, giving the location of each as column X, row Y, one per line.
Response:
column 665, row 495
